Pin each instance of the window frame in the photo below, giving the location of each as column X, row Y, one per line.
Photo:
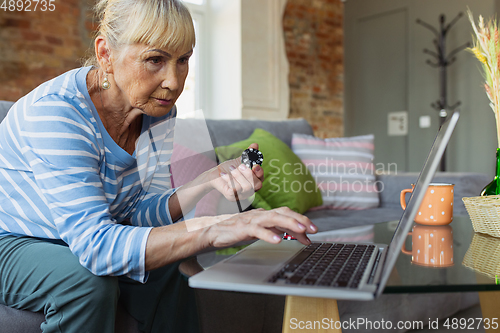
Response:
column 199, row 14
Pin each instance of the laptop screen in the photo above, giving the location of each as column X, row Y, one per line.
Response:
column 425, row 177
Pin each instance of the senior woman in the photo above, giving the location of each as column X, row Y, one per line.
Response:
column 73, row 206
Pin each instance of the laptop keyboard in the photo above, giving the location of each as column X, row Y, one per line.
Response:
column 327, row 264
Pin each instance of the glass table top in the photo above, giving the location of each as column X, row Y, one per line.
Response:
column 435, row 258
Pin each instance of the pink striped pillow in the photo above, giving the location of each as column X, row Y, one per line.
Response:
column 186, row 165
column 343, row 169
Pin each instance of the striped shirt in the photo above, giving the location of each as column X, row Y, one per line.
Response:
column 63, row 177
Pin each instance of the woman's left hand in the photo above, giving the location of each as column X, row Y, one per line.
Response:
column 236, row 180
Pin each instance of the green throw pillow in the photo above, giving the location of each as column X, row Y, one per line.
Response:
column 287, row 181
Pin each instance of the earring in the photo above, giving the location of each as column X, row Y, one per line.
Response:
column 105, row 84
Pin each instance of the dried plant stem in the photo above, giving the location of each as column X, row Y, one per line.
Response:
column 487, row 50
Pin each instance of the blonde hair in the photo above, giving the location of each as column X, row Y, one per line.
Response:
column 160, row 23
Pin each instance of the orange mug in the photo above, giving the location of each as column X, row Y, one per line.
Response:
column 436, row 207
column 432, row 246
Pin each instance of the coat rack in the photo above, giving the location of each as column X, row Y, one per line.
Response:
column 442, row 61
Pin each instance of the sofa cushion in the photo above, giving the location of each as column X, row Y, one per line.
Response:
column 287, row 182
column 23, row 321
column 19, row 321
column 225, row 132
column 4, row 108
column 343, row 169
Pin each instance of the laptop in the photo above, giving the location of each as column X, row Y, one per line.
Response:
column 353, row 271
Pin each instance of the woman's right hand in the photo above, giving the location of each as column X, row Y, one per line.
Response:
column 180, row 240
column 260, row 224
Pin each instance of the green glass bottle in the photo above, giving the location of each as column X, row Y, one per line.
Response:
column 493, row 188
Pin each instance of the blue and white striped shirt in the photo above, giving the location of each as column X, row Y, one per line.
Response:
column 63, row 177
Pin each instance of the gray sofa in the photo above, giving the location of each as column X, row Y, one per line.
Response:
column 238, row 312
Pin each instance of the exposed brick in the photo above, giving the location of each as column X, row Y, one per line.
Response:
column 28, row 35
column 63, row 9
column 64, row 52
column 41, row 49
column 54, row 40
column 74, row 43
column 314, row 46
column 16, row 23
column 37, row 46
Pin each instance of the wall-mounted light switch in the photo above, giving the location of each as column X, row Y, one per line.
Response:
column 424, row 121
column 397, row 123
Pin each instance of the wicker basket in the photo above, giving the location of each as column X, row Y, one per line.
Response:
column 484, row 213
column 483, row 255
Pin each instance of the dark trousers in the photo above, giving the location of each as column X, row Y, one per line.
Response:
column 43, row 276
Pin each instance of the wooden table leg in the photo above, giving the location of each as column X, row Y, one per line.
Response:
column 307, row 314
column 490, row 306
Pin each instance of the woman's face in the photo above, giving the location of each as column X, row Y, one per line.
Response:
column 151, row 79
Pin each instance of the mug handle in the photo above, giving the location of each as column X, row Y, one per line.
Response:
column 403, row 248
column 403, row 199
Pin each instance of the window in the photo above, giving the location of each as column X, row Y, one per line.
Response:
column 192, row 98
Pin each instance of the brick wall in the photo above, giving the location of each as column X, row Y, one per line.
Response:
column 314, row 45
column 39, row 45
